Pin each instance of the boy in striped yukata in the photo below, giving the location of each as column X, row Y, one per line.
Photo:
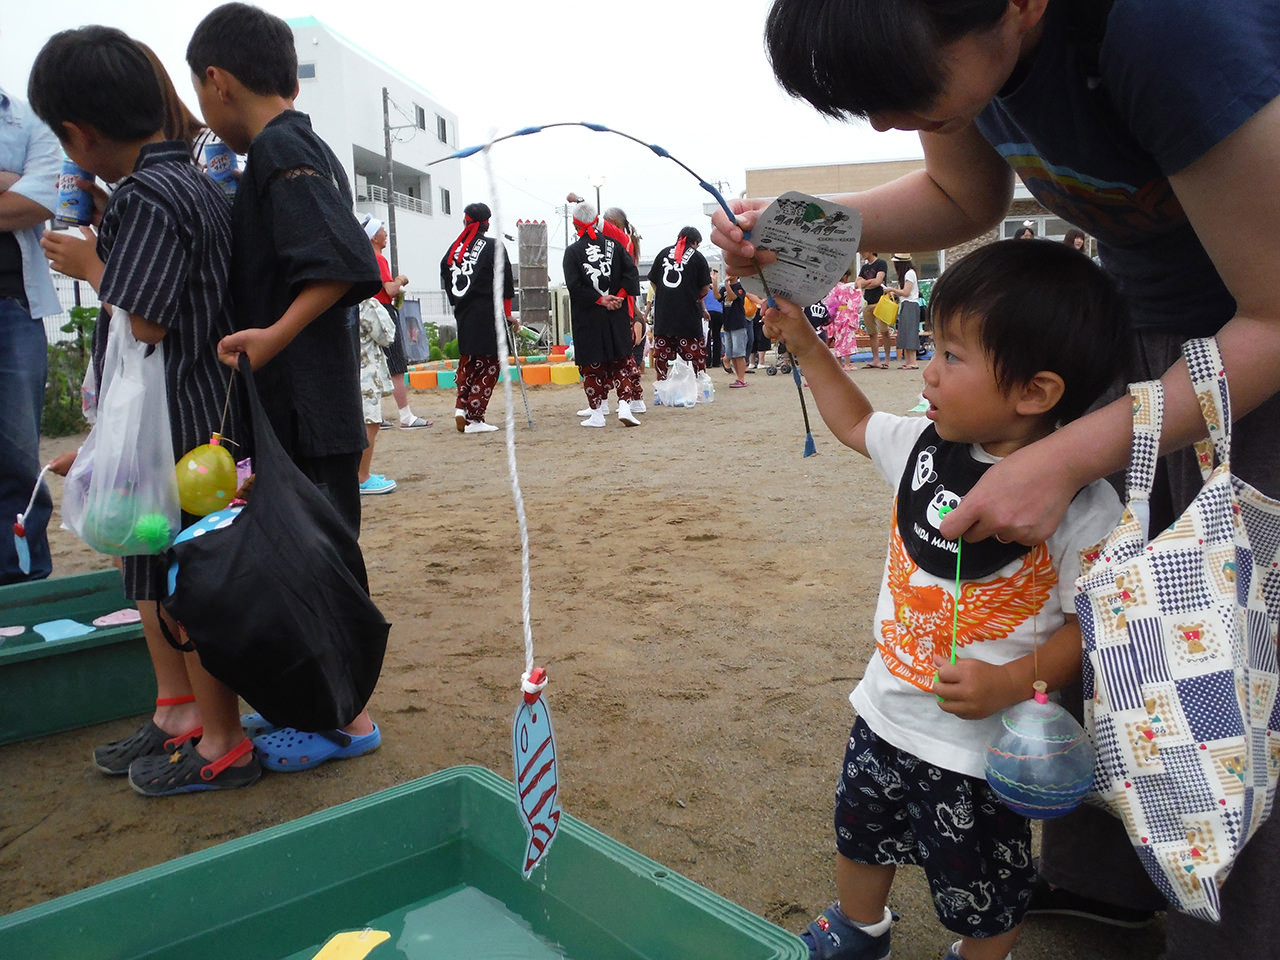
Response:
column 164, row 246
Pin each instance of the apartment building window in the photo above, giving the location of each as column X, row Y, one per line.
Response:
column 306, row 71
column 446, row 204
column 420, row 117
column 442, row 128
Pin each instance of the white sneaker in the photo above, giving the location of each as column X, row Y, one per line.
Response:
column 596, row 419
column 637, row 406
column 480, row 427
column 460, row 420
column 625, row 416
column 586, row 411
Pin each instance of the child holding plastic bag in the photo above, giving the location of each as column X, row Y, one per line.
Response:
column 164, row 250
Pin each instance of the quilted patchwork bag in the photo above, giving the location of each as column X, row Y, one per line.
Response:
column 1180, row 668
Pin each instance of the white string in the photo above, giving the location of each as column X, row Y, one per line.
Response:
column 500, row 327
column 22, row 517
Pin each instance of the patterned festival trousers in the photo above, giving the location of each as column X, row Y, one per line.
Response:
column 623, row 376
column 477, row 376
column 666, row 349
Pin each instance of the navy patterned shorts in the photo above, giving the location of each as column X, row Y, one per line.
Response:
column 893, row 809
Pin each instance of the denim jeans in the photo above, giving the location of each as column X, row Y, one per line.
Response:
column 24, row 362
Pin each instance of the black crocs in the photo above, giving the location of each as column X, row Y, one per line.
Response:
column 185, row 771
column 148, row 740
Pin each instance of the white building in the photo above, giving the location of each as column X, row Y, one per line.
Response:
column 341, row 89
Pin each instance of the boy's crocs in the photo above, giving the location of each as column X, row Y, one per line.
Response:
column 185, row 771
column 255, row 725
column 148, row 740
column 833, row 937
column 375, row 485
column 287, row 749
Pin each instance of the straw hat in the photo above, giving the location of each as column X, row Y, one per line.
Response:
column 902, row 258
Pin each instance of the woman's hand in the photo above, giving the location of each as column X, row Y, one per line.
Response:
column 740, row 255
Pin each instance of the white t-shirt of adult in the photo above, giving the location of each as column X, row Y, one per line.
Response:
column 910, row 280
column 914, row 613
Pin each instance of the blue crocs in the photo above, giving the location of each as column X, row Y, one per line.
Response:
column 376, row 484
column 833, row 937
column 287, row 749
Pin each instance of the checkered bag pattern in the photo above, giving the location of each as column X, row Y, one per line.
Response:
column 1181, row 669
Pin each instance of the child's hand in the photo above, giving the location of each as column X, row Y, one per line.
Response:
column 788, row 323
column 259, row 344
column 61, row 464
column 75, row 256
column 974, row 689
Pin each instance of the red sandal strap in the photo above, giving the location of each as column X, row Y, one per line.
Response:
column 175, row 701
column 215, row 767
column 173, row 743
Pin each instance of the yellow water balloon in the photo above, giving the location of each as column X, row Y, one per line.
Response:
column 206, row 478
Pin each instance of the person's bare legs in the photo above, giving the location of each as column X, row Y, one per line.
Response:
column 400, row 392
column 989, row 948
column 366, row 458
column 220, row 708
column 172, row 681
column 740, row 368
column 863, row 889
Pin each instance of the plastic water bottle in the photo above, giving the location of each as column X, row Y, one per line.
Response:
column 75, row 205
column 221, row 164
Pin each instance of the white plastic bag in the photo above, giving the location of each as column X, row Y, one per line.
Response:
column 706, row 389
column 680, row 389
column 121, row 494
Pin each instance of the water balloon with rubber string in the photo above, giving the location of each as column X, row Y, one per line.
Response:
column 206, row 478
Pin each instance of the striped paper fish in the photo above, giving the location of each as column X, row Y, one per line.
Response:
column 533, row 745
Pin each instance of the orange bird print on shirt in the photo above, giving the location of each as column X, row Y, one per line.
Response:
column 922, row 612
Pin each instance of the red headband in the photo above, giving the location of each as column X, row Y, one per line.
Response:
column 469, row 231
column 589, row 227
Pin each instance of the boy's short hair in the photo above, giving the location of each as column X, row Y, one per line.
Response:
column 252, row 45
column 852, row 58
column 689, row 235
column 1040, row 306
column 99, row 76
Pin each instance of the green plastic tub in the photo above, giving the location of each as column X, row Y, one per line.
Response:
column 49, row 686
column 435, row 863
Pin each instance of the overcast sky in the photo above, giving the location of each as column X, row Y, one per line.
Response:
column 690, row 76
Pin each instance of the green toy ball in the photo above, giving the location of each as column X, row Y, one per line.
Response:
column 152, row 531
column 108, row 523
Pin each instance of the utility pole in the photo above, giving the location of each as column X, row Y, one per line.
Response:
column 391, row 186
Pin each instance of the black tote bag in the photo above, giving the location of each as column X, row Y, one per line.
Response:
column 275, row 603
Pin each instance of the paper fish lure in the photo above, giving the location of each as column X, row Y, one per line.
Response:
column 20, row 527
column 533, row 746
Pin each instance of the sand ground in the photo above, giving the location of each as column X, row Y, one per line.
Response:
column 701, row 598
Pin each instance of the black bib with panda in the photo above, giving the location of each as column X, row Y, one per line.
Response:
column 939, row 473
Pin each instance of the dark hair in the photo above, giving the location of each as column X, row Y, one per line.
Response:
column 689, row 235
column 1040, row 306
column 1074, row 234
column 1023, row 232
column 902, row 266
column 99, row 76
column 480, row 213
column 252, row 45
column 852, row 58
column 179, row 122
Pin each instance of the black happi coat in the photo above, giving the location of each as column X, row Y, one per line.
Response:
column 469, row 286
column 593, row 268
column 677, row 293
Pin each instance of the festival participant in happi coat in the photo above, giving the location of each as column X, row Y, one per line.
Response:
column 602, row 278
column 466, row 275
column 616, row 225
column 681, row 277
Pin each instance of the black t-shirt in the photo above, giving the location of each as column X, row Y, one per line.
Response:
column 869, row 272
column 293, row 223
column 11, row 268
column 677, row 298
column 469, row 286
column 735, row 313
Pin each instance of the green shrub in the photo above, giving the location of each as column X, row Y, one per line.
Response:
column 68, row 360
column 450, row 350
column 436, row 353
